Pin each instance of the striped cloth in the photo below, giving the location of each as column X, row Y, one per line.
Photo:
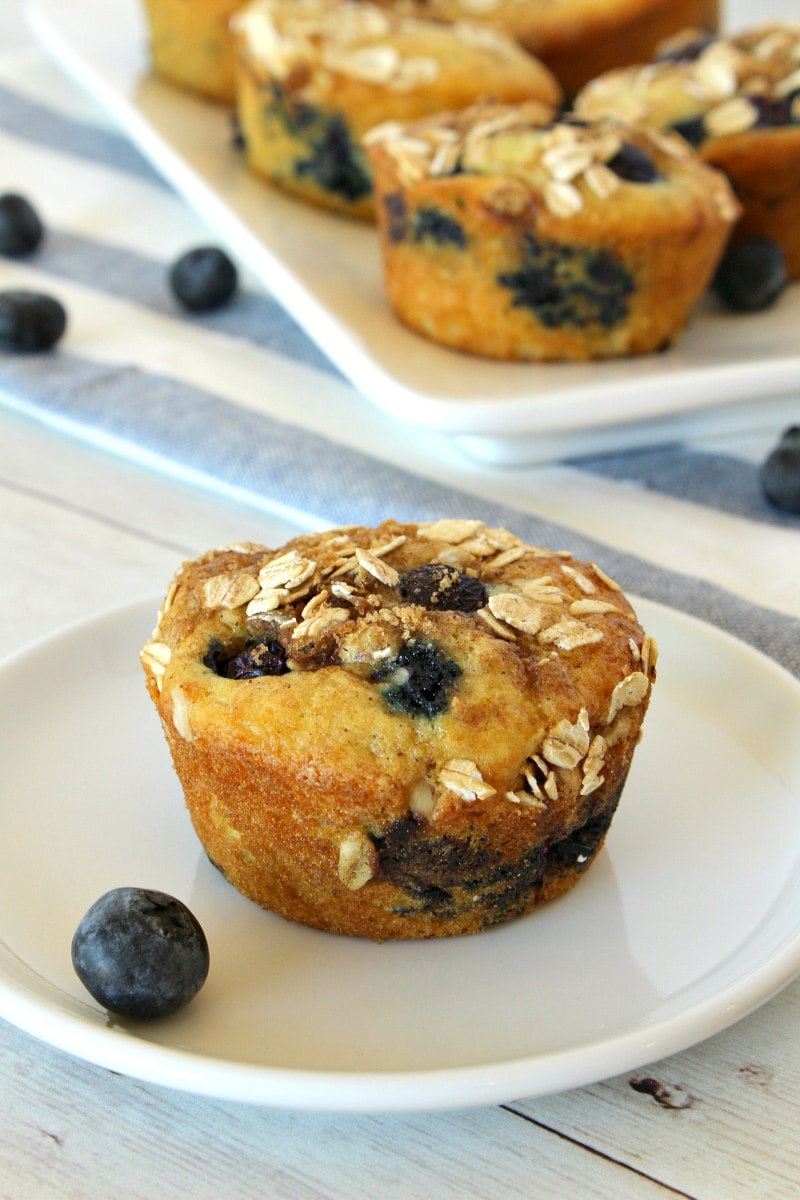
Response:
column 242, row 401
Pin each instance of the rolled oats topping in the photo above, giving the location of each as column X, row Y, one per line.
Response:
column 358, row 860
column 358, row 39
column 729, row 85
column 380, row 570
column 498, row 628
column 567, row 162
column 593, row 766
column 319, row 624
column 447, row 530
column 569, row 634
column 630, row 690
column 542, row 590
column 526, row 800
column 180, row 714
column 517, row 611
column 230, row 590
column 155, row 656
column 649, row 656
column 583, row 581
column 581, row 608
column 288, row 570
column 541, row 781
column 463, row 777
column 567, row 742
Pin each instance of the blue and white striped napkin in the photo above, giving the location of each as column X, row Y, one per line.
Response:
column 241, row 400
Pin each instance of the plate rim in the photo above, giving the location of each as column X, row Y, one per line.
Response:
column 392, row 1090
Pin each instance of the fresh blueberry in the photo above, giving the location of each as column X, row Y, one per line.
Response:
column 203, row 278
column 780, row 472
column 752, row 275
column 633, row 164
column 442, row 588
column 30, row 321
column 419, row 680
column 21, row 230
column 140, row 953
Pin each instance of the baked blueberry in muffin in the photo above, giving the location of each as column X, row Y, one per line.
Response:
column 408, row 731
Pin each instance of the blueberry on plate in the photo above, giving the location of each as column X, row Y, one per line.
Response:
column 21, row 230
column 140, row 953
column 752, row 275
column 203, row 279
column 30, row 321
column 780, row 472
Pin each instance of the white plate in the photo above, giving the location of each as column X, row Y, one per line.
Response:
column 689, row 919
column 326, row 272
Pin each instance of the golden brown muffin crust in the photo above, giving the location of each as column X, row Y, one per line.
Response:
column 513, row 236
column 414, row 769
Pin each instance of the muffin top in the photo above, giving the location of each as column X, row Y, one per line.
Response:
column 306, row 41
column 570, row 165
column 394, row 656
column 706, row 87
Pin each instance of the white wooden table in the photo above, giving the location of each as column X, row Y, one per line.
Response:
column 81, row 531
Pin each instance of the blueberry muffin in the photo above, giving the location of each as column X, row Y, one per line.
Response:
column 578, row 39
column 191, row 45
column 511, row 236
column 314, row 75
column 407, row 731
column 736, row 100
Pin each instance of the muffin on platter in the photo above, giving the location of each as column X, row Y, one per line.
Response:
column 408, row 731
column 509, row 235
column 578, row 39
column 736, row 101
column 191, row 45
column 314, row 75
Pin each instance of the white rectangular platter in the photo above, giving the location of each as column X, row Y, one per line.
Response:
column 728, row 371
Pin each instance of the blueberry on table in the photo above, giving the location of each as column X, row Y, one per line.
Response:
column 30, row 321
column 21, row 230
column 203, row 279
column 140, row 953
column 780, row 472
column 752, row 275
